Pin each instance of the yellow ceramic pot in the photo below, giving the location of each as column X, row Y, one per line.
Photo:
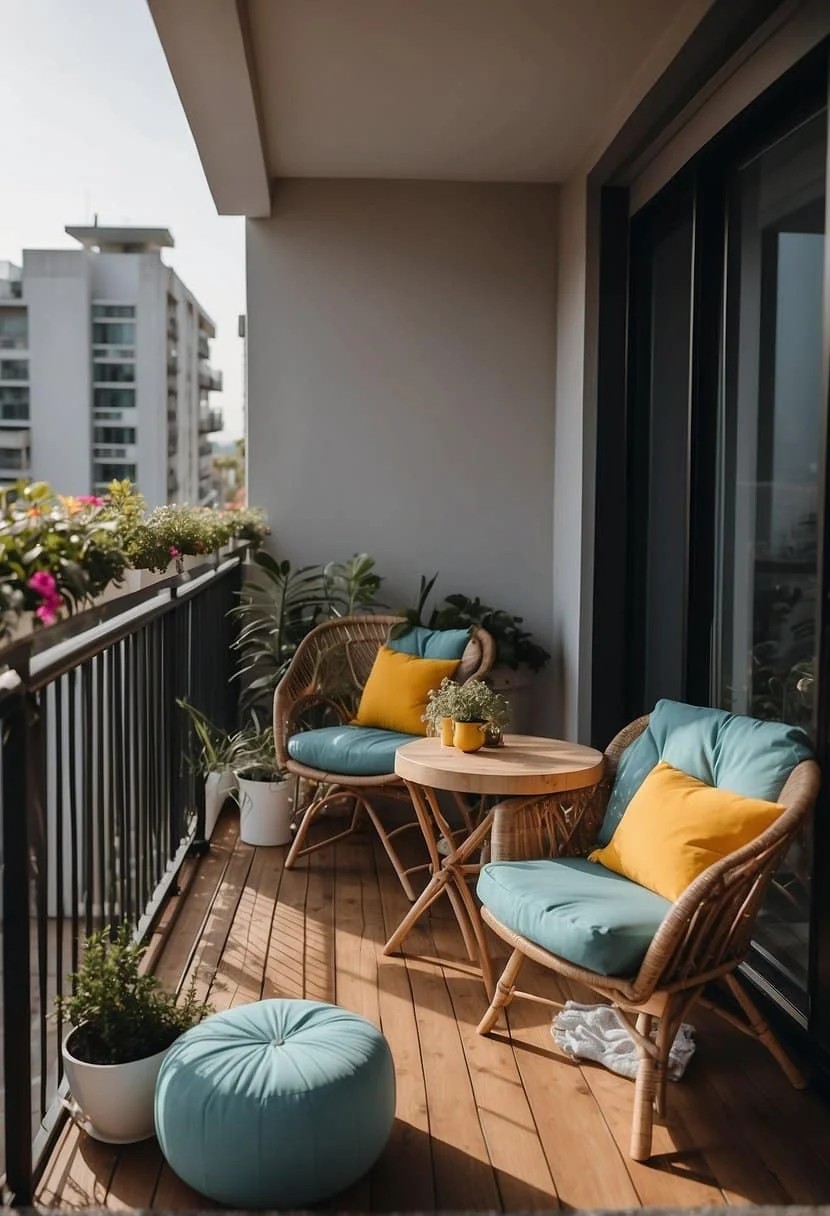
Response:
column 469, row 736
column 446, row 731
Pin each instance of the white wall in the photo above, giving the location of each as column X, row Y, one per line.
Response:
column 57, row 291
column 401, row 383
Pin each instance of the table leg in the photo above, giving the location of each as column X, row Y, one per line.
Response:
column 444, row 879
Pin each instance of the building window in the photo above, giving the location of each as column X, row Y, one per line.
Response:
column 114, row 373
column 112, row 310
column 114, row 434
column 105, row 473
column 14, row 369
column 114, row 333
column 14, row 330
column 14, row 404
column 13, row 458
column 114, row 398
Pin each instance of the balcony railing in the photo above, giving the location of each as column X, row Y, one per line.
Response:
column 97, row 807
column 210, row 378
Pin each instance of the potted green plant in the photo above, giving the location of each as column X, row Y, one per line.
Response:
column 123, row 1023
column 213, row 758
column 264, row 793
column 440, row 710
column 480, row 714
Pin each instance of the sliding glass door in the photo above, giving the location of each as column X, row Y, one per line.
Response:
column 770, row 439
column 726, row 485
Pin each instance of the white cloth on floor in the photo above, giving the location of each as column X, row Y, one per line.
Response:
column 595, row 1032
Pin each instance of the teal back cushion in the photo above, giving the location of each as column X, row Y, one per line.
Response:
column 432, row 643
column 731, row 751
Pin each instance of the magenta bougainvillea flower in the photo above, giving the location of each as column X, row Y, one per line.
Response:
column 43, row 584
column 174, row 552
column 90, row 500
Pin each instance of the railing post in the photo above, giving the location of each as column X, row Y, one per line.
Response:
column 16, row 960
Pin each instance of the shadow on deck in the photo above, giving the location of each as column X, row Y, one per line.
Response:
column 505, row 1123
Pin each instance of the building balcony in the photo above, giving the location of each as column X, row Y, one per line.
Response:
column 210, row 420
column 203, row 346
column 209, row 378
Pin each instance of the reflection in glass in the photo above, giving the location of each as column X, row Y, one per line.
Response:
column 765, row 636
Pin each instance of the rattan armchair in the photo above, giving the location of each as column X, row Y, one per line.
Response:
column 703, row 938
column 329, row 670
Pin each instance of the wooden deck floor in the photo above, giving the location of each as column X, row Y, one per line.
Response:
column 483, row 1124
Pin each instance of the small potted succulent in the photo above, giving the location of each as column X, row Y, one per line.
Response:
column 479, row 715
column 264, row 793
column 213, row 758
column 123, row 1023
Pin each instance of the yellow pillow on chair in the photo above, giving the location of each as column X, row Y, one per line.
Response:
column 395, row 695
column 675, row 827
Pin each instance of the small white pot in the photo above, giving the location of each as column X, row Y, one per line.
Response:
column 112, row 1102
column 218, row 786
column 265, row 811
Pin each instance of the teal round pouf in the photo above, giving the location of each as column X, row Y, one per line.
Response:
column 277, row 1104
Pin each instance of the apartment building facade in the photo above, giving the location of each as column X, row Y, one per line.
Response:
column 105, row 369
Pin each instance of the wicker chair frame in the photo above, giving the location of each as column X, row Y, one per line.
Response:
column 704, row 937
column 330, row 668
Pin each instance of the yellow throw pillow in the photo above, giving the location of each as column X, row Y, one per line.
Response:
column 675, row 827
column 395, row 695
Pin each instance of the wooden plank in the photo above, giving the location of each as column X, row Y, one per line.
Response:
column 524, row 1179
column 240, row 970
column 217, row 925
column 135, row 1176
column 79, row 1172
column 190, row 922
column 285, row 962
column 319, row 927
column 677, row 1175
column 405, row 1167
column 174, row 1195
column 587, row 1166
column 464, row 1176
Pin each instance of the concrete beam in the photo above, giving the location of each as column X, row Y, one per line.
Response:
column 206, row 45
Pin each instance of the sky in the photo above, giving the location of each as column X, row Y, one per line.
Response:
column 92, row 123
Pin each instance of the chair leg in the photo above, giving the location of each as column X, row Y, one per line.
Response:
column 761, row 1030
column 298, row 846
column 403, row 877
column 503, row 995
column 645, row 1092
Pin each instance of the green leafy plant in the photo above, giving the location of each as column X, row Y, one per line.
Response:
column 476, row 701
column 255, row 756
column 441, row 703
column 214, row 750
column 514, row 644
column 282, row 605
column 120, row 1014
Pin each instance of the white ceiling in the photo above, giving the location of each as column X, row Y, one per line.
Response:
column 504, row 90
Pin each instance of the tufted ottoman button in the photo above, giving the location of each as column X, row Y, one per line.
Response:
column 253, row 1127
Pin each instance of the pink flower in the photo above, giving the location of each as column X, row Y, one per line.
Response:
column 174, row 552
column 90, row 500
column 43, row 584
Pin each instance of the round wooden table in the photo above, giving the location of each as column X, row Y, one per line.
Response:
column 523, row 766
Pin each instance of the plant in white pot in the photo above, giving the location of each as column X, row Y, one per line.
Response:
column 122, row 1022
column 213, row 758
column 264, row 792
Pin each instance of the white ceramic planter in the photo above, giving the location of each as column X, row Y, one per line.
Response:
column 265, row 811
column 218, row 786
column 112, row 1102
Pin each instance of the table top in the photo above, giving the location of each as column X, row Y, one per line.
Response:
column 523, row 764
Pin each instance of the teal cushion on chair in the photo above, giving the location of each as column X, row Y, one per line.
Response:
column 731, row 751
column 278, row 1104
column 576, row 909
column 353, row 751
column 432, row 643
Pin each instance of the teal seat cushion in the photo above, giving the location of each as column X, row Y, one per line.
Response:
column 432, row 643
column 727, row 750
column 277, row 1104
column 576, row 909
column 353, row 751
